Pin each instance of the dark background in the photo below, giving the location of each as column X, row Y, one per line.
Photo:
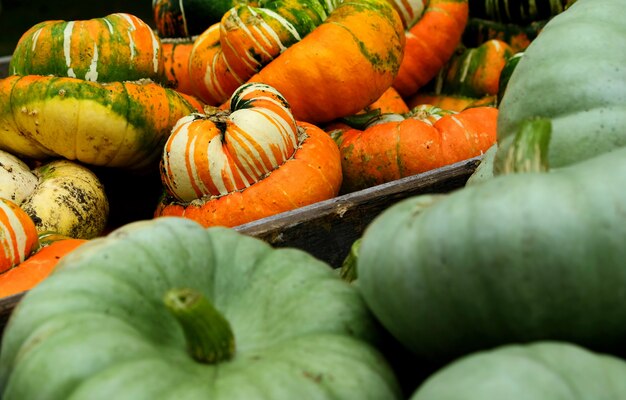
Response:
column 16, row 16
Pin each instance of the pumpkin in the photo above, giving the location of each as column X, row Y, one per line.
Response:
column 517, row 11
column 117, row 47
column 176, row 54
column 187, row 18
column 116, row 124
column 538, row 371
column 519, row 257
column 247, row 38
column 18, row 235
column 474, row 72
column 228, row 167
column 27, row 274
column 360, row 41
column 430, row 43
column 552, row 80
column 180, row 311
column 394, row 146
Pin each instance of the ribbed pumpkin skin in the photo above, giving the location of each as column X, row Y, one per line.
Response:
column 323, row 75
column 300, row 331
column 313, row 174
column 536, row 371
column 218, row 153
column 588, row 111
column 393, row 150
column 18, row 235
column 117, row 124
column 117, row 47
column 430, row 43
column 516, row 258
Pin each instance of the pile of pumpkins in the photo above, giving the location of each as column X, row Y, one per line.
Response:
column 510, row 287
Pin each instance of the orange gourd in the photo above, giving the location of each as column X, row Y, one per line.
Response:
column 18, row 235
column 322, row 75
column 395, row 146
column 430, row 43
column 117, row 47
column 450, row 101
column 37, row 267
column 229, row 167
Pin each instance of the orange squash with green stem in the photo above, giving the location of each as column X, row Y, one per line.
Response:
column 255, row 160
column 394, row 146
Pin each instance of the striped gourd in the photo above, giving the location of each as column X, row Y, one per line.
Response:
column 117, row 124
column 410, row 11
column 113, row 48
column 228, row 53
column 187, row 18
column 223, row 151
column 18, row 236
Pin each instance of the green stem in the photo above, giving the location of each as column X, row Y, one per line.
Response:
column 529, row 151
column 209, row 336
column 347, row 271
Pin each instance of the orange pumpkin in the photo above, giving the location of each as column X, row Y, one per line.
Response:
column 322, row 75
column 389, row 102
column 117, row 47
column 396, row 146
column 430, row 43
column 18, row 235
column 37, row 267
column 232, row 167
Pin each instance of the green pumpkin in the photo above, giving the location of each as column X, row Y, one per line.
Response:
column 537, row 371
column 574, row 73
column 167, row 309
column 518, row 257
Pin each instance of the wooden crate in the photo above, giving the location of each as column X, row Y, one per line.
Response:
column 327, row 229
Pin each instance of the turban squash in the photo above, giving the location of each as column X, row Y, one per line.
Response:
column 286, row 326
column 317, row 57
column 394, row 146
column 228, row 167
column 117, row 47
column 116, row 124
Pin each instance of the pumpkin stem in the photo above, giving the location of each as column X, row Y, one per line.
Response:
column 529, row 151
column 209, row 336
column 348, row 271
column 362, row 120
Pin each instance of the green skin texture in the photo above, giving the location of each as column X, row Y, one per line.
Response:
column 97, row 328
column 538, row 371
column 516, row 11
column 518, row 257
column 576, row 80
